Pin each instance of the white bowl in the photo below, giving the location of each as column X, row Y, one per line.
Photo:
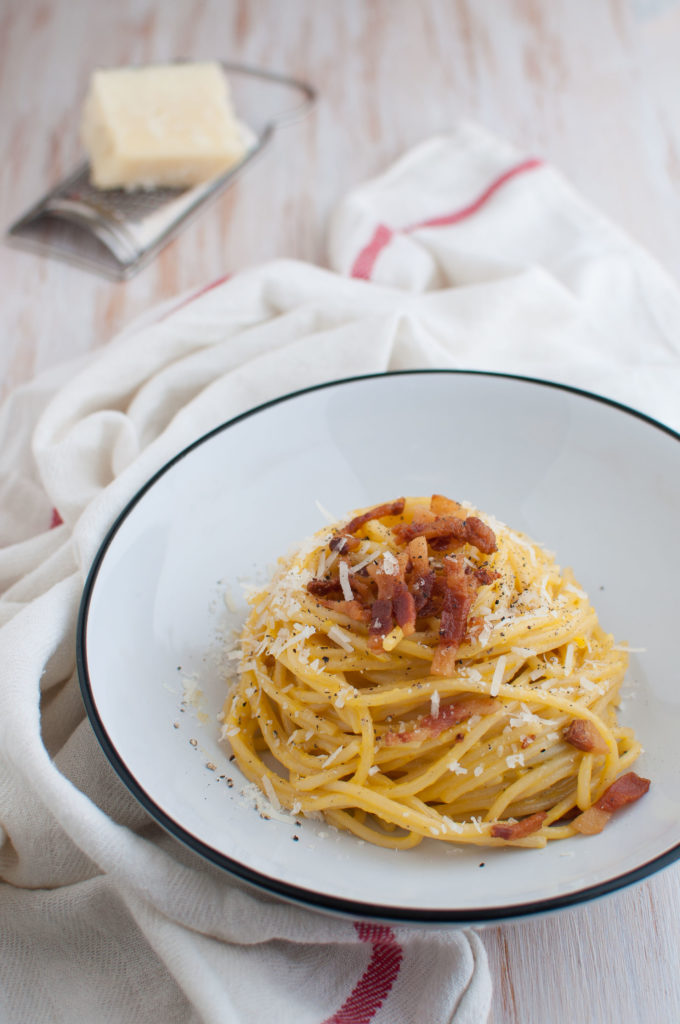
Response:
column 595, row 482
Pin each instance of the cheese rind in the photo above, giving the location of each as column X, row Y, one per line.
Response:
column 167, row 125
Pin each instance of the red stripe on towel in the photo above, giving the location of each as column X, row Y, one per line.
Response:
column 55, row 520
column 377, row 980
column 382, row 236
column 365, row 261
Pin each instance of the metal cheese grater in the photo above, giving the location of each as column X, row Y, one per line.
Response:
column 115, row 232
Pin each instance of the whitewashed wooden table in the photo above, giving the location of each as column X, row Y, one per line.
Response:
column 591, row 85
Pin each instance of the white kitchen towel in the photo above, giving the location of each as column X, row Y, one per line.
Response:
column 465, row 254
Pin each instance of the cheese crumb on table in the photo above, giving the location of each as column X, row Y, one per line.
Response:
column 166, row 125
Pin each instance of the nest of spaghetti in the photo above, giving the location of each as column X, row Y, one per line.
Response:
column 423, row 671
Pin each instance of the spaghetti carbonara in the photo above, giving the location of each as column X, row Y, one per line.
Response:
column 423, row 671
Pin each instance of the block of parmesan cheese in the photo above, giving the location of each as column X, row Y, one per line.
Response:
column 163, row 125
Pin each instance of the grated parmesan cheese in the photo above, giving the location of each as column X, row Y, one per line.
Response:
column 271, row 792
column 331, row 757
column 366, row 561
column 341, row 638
column 434, row 704
column 343, row 575
column 452, row 825
column 390, row 564
column 498, row 676
column 569, row 659
column 226, row 732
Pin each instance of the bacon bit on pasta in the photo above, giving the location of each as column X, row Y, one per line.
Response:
column 417, row 552
column 449, row 528
column 582, row 734
column 461, row 590
column 625, row 790
column 404, row 607
column 480, row 535
column 422, row 577
column 393, row 601
column 519, row 829
column 343, row 539
column 592, row 821
column 422, row 588
column 485, row 576
column 398, row 589
column 380, row 622
column 322, row 588
column 449, row 715
column 442, row 506
column 352, row 609
column 458, row 597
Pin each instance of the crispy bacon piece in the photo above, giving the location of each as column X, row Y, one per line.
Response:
column 404, row 607
column 388, row 508
column 449, row 528
column 461, row 583
column 485, row 576
column 417, row 552
column 361, row 586
column 581, row 733
column 625, row 790
column 352, row 609
column 480, row 535
column 461, row 588
column 343, row 539
column 449, row 715
column 592, row 821
column 442, row 506
column 455, row 609
column 421, row 578
column 519, row 829
column 421, row 589
column 401, row 592
column 322, row 588
column 444, row 661
column 394, row 601
column 380, row 622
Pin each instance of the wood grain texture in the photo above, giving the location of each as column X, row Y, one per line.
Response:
column 592, row 87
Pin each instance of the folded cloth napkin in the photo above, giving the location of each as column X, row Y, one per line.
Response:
column 464, row 254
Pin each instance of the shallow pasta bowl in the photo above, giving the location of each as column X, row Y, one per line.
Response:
column 595, row 482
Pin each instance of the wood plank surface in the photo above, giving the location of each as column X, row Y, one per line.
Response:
column 591, row 85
